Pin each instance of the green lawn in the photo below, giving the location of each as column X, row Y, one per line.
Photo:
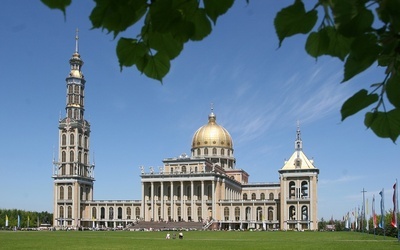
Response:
column 194, row 240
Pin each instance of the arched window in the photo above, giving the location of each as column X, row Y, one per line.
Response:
column 71, row 139
column 237, row 213
column 214, row 151
column 94, row 213
column 206, row 151
column 198, row 151
column 128, row 212
column 80, row 140
column 71, row 156
column 292, row 213
column 183, row 169
column 195, row 169
column 222, row 151
column 172, row 170
column 226, row 213
column 304, row 189
column 292, row 190
column 63, row 156
column 63, row 139
column 69, row 212
column 262, row 196
column 253, row 196
column 102, row 213
column 120, row 213
column 111, row 213
column 85, row 158
column 69, row 193
column 61, row 193
column 244, row 196
column 259, row 213
column 61, row 212
column 86, row 142
column 271, row 196
column 304, row 213
column 270, row 213
column 137, row 212
column 248, row 213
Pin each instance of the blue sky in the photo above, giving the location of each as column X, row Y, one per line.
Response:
column 259, row 93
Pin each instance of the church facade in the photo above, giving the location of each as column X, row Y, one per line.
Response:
column 204, row 186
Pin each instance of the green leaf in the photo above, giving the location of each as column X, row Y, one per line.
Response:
column 202, row 26
column 357, row 102
column 165, row 42
column 117, row 16
column 384, row 124
column 294, row 20
column 317, row 43
column 352, row 18
column 57, row 4
column 363, row 53
column 215, row 8
column 164, row 15
column 155, row 67
column 327, row 41
column 130, row 51
column 393, row 90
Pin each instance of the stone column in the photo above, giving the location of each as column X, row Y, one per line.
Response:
column 162, row 201
column 152, row 201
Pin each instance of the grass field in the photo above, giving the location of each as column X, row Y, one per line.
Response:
column 193, row 240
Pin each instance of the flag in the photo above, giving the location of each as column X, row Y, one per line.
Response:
column 373, row 211
column 19, row 221
column 382, row 221
column 28, row 221
column 347, row 221
column 366, row 214
column 395, row 206
column 6, row 221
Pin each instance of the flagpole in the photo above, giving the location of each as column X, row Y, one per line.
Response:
column 363, row 211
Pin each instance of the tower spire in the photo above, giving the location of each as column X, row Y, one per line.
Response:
column 77, row 41
column 298, row 142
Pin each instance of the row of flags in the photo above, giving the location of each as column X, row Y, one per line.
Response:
column 355, row 215
column 19, row 221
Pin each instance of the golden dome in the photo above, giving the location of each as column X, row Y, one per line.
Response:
column 212, row 135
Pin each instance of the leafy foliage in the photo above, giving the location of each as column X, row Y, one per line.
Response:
column 347, row 32
column 27, row 218
column 361, row 33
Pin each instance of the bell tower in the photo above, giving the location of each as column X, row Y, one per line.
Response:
column 73, row 174
column 298, row 184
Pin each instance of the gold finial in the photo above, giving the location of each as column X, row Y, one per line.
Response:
column 76, row 41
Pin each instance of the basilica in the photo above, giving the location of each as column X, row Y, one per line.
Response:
column 205, row 186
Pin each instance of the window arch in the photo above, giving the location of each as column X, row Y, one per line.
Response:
column 86, row 142
column 61, row 212
column 292, row 213
column 183, row 169
column 214, row 151
column 71, row 139
column 271, row 196
column 253, row 196
column 69, row 193
column 69, row 212
column 102, row 213
column 226, row 213
column 198, row 151
column 63, row 156
column 304, row 213
column 244, row 196
column 222, row 151
column 63, row 139
column 71, row 155
column 119, row 212
column 80, row 140
column 237, row 213
column 248, row 213
column 262, row 196
column 206, row 151
column 128, row 212
column 137, row 212
column 61, row 193
column 304, row 189
column 292, row 190
column 94, row 212
column 270, row 213
column 111, row 213
column 259, row 213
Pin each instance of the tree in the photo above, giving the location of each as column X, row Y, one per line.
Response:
column 360, row 33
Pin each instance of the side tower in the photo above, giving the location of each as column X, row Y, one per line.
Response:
column 73, row 174
column 298, row 198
